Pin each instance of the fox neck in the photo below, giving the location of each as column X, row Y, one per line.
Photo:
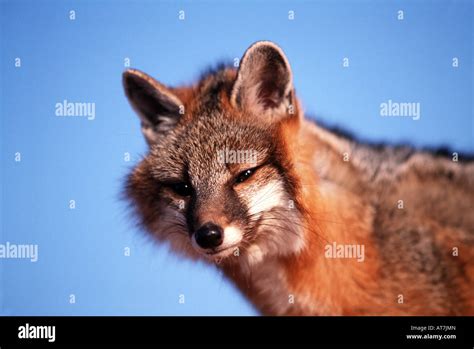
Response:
column 308, row 282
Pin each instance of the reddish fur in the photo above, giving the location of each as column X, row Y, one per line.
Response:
column 332, row 213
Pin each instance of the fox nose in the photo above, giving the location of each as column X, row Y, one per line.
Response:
column 209, row 235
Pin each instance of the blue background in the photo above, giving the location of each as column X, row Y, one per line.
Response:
column 81, row 251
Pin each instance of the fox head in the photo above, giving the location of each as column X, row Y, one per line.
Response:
column 219, row 181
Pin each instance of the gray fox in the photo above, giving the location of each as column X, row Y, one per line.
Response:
column 304, row 220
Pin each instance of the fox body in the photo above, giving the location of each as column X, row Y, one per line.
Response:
column 284, row 225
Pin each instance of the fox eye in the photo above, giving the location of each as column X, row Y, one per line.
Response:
column 181, row 188
column 244, row 175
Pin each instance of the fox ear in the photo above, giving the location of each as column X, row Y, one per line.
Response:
column 157, row 107
column 264, row 81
